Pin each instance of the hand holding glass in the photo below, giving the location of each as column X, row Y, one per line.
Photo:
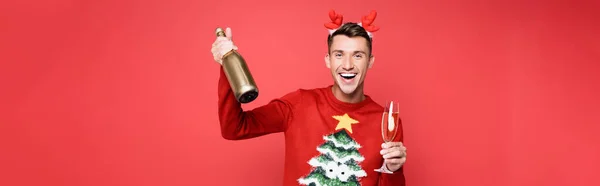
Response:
column 390, row 121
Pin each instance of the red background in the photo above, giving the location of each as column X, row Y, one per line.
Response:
column 124, row 92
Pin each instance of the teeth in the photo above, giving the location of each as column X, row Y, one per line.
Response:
column 347, row 75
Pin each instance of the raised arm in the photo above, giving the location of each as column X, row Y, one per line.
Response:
column 236, row 123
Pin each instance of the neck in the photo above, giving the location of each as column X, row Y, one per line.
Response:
column 355, row 97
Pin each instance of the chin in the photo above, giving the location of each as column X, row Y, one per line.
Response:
column 348, row 89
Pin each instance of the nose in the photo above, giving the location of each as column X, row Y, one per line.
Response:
column 347, row 64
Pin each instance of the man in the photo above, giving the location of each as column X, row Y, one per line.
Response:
column 333, row 133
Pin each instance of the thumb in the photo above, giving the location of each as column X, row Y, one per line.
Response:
column 228, row 33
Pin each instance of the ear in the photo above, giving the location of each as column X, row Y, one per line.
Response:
column 371, row 61
column 327, row 61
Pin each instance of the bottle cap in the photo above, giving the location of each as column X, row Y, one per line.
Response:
column 220, row 32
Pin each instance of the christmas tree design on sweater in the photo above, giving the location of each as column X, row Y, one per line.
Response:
column 338, row 162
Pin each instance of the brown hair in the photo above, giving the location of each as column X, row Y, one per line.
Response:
column 350, row 29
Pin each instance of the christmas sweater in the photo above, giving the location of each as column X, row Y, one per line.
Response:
column 327, row 141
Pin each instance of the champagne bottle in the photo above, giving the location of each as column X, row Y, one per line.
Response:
column 241, row 81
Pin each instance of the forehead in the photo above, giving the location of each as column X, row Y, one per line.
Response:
column 345, row 43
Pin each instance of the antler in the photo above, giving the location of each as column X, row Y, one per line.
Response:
column 367, row 22
column 336, row 20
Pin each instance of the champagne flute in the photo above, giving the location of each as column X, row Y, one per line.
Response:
column 390, row 123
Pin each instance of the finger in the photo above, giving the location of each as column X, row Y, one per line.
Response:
column 217, row 42
column 216, row 57
column 220, row 46
column 395, row 153
column 386, row 150
column 228, row 33
column 221, row 39
column 392, row 144
column 216, row 54
column 225, row 47
column 395, row 161
column 213, row 50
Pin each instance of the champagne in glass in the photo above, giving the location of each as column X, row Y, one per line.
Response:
column 390, row 121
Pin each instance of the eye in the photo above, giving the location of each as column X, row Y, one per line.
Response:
column 344, row 173
column 338, row 55
column 332, row 170
column 358, row 56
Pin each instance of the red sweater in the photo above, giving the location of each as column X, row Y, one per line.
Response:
column 327, row 141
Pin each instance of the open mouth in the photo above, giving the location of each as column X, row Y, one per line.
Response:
column 348, row 75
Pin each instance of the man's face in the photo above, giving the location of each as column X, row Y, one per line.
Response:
column 348, row 61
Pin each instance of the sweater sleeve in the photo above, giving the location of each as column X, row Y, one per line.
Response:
column 237, row 124
column 395, row 179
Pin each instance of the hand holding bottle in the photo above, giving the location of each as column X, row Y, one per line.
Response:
column 234, row 66
column 222, row 45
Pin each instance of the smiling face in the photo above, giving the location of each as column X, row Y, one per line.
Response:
column 348, row 60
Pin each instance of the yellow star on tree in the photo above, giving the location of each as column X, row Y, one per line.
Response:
column 345, row 122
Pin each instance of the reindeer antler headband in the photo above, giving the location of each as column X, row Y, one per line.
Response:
column 366, row 22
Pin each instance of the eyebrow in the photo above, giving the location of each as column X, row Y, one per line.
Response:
column 355, row 52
